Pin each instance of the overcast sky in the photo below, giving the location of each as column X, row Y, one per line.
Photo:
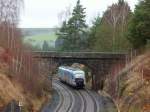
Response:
column 44, row 13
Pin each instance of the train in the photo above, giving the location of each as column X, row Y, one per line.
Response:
column 72, row 76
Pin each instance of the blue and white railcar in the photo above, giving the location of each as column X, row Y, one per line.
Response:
column 72, row 76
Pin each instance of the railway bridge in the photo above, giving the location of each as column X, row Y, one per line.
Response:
column 100, row 63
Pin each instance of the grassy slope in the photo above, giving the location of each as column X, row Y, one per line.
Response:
column 47, row 37
column 36, row 36
column 39, row 39
column 8, row 91
column 134, row 86
column 12, row 89
column 137, row 90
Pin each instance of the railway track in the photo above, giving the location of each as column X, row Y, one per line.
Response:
column 95, row 101
column 66, row 102
column 84, row 103
column 69, row 97
column 61, row 99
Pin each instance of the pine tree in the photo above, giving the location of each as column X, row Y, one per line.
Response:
column 75, row 30
column 93, row 32
column 62, row 35
column 139, row 29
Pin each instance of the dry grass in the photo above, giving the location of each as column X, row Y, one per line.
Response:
column 17, row 86
column 132, row 92
column 9, row 91
column 137, row 92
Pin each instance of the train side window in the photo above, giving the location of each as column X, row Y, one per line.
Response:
column 59, row 72
column 72, row 76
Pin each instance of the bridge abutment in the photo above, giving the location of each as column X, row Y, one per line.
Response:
column 101, row 64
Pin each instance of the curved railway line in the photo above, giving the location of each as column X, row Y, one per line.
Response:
column 83, row 102
column 61, row 99
column 96, row 105
column 66, row 98
column 69, row 97
column 72, row 99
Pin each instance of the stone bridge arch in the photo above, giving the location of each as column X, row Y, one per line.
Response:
column 99, row 63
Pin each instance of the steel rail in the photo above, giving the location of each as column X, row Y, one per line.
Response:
column 72, row 100
column 96, row 105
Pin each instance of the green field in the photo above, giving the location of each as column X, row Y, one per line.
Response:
column 36, row 36
column 37, row 40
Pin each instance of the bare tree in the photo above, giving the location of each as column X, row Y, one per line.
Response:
column 9, row 12
column 64, row 15
column 117, row 15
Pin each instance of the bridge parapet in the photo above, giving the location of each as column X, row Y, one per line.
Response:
column 79, row 55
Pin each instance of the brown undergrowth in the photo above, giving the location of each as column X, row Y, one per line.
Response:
column 10, row 90
column 132, row 86
column 32, row 91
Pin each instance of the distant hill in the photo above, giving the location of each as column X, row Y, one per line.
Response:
column 36, row 36
column 37, row 31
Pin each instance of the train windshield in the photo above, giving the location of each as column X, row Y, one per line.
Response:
column 79, row 74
